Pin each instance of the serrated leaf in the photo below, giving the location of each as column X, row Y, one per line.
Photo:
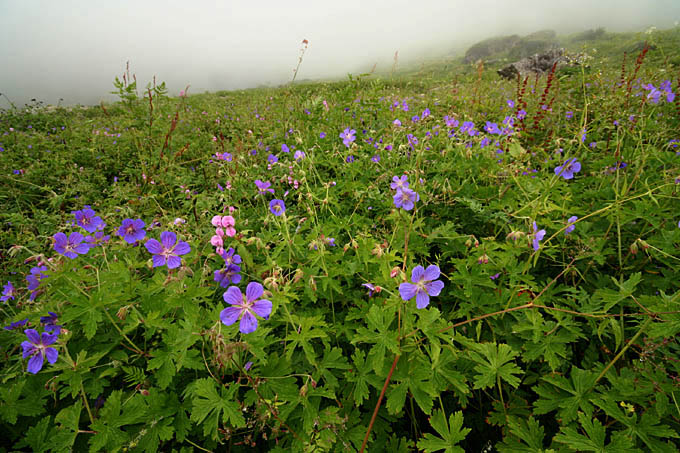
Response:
column 451, row 433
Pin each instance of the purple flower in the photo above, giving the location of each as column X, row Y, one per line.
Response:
column 510, row 103
column 168, row 250
column 8, row 292
column 371, row 288
column 277, row 207
column 495, row 276
column 405, row 199
column 89, row 220
column 284, row 148
column 347, row 136
column 299, row 155
column 36, row 348
column 568, row 168
column 537, row 236
column 17, row 324
column 263, row 187
column 322, row 135
column 228, row 275
column 229, row 256
column 376, row 158
column 492, row 128
column 272, row 159
column 245, row 307
column 569, row 114
column 34, row 278
column 50, row 323
column 570, row 224
column 423, row 285
column 399, row 182
column 71, row 247
column 521, row 114
column 98, row 239
column 132, row 230
column 396, row 122
column 349, row 159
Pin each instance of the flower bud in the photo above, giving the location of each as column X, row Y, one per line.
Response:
column 484, row 259
column 299, row 273
column 394, row 272
column 634, row 248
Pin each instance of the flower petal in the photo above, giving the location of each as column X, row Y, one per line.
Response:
column 407, row 291
column 153, row 246
column 434, row 288
column 48, row 339
column 182, row 248
column 248, row 323
column 417, row 274
column 158, row 260
column 230, row 315
column 174, row 262
column 262, row 308
column 28, row 348
column 168, row 239
column 33, row 336
column 233, row 296
column 216, row 221
column 253, row 291
column 422, row 299
column 51, row 354
column 35, row 363
column 432, row 272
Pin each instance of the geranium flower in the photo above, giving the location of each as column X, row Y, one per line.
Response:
column 570, row 227
column 8, row 292
column 37, row 348
column 405, row 199
column 71, row 247
column 277, row 207
column 399, row 182
column 89, row 220
column 245, row 307
column 347, row 136
column 263, row 187
column 168, row 250
column 425, row 284
column 132, row 230
column 568, row 168
column 536, row 237
column 228, row 275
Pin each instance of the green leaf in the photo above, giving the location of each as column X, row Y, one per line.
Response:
column 209, row 405
column 451, row 433
column 494, row 361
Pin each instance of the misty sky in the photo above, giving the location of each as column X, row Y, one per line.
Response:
column 73, row 49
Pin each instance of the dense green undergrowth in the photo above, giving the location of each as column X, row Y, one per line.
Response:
column 547, row 208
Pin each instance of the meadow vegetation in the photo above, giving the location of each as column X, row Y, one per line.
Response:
column 432, row 259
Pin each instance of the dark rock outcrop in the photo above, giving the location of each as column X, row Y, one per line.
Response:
column 538, row 63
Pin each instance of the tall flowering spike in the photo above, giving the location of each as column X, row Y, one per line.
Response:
column 132, row 230
column 37, row 349
column 277, row 207
column 167, row 251
column 424, row 284
column 245, row 307
column 71, row 247
column 88, row 220
column 568, row 168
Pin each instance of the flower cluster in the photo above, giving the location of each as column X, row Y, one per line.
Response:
column 224, row 226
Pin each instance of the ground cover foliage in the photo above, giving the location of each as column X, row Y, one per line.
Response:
column 142, row 240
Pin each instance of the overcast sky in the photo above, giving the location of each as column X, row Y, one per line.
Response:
column 73, row 49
